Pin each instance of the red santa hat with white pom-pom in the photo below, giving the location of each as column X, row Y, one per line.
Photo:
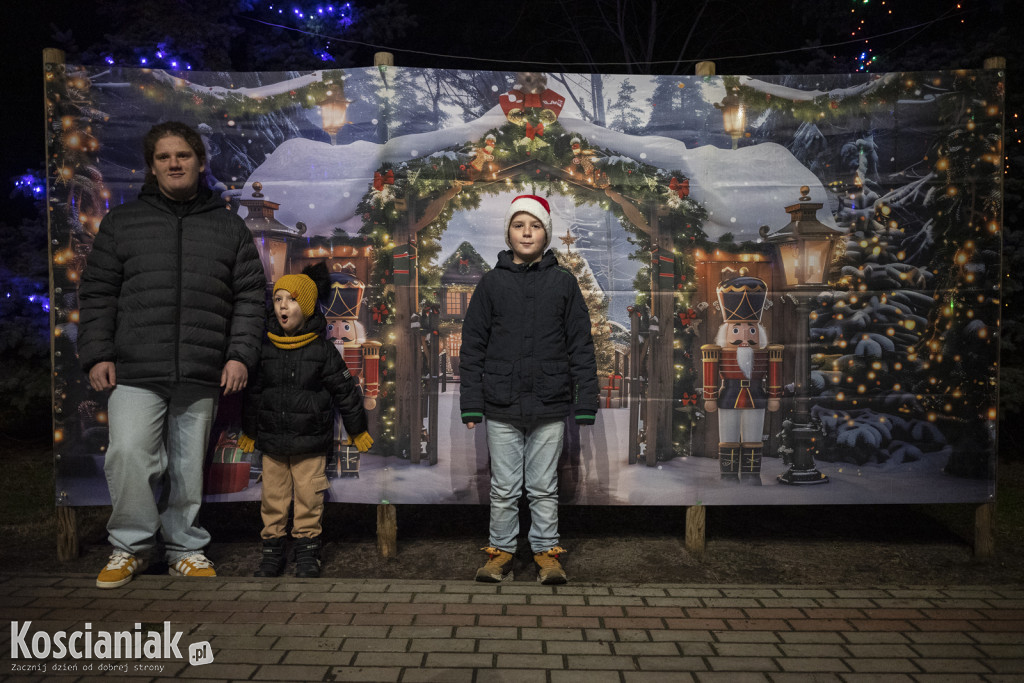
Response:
column 537, row 207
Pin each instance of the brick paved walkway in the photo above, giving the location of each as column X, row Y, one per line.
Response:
column 402, row 631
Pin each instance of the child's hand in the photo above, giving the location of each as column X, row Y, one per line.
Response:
column 246, row 444
column 362, row 441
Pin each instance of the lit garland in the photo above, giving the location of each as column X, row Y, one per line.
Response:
column 206, row 102
column 829, row 106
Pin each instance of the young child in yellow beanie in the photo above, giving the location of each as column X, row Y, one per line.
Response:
column 288, row 414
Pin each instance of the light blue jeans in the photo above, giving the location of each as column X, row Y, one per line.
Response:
column 524, row 456
column 158, row 439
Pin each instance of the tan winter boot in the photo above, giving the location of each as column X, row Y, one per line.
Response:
column 498, row 567
column 550, row 570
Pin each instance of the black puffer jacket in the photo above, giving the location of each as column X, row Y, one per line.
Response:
column 527, row 354
column 289, row 405
column 171, row 291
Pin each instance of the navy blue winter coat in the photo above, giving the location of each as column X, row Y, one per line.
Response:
column 171, row 291
column 527, row 354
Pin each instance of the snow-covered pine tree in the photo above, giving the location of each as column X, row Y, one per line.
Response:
column 417, row 99
column 673, row 105
column 865, row 331
column 624, row 113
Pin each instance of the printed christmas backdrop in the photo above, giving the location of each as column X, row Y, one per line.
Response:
column 856, row 217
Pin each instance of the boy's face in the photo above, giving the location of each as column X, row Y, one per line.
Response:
column 288, row 311
column 527, row 236
column 176, row 168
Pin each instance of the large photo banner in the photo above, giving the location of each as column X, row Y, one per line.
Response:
column 849, row 224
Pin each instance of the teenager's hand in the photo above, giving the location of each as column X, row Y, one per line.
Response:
column 103, row 376
column 234, row 377
column 470, row 425
column 710, row 405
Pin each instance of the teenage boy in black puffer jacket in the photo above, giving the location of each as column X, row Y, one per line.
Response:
column 289, row 415
column 171, row 309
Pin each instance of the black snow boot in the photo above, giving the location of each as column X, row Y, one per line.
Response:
column 307, row 557
column 272, row 562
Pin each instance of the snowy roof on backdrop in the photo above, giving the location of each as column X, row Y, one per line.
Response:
column 743, row 189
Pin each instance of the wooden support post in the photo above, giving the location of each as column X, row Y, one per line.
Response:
column 695, row 525
column 383, row 59
column 387, row 530
column 984, row 531
column 53, row 55
column 705, row 69
column 67, row 533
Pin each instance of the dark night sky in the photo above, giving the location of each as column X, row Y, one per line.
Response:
column 534, row 31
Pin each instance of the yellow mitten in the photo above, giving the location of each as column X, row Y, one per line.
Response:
column 246, row 444
column 362, row 441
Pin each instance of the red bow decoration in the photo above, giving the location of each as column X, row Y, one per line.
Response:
column 531, row 131
column 379, row 180
column 682, row 188
column 517, row 101
column 380, row 311
column 690, row 314
column 463, row 261
column 689, row 399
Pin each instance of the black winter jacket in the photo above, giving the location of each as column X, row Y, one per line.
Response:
column 289, row 405
column 527, row 354
column 169, row 297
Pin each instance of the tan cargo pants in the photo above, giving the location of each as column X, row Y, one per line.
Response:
column 286, row 478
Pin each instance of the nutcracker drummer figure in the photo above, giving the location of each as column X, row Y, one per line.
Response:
column 742, row 377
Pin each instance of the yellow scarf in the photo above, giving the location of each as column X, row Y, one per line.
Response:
column 291, row 342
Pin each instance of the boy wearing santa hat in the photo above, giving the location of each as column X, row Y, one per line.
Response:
column 527, row 363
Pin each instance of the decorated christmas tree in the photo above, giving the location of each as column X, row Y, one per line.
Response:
column 903, row 346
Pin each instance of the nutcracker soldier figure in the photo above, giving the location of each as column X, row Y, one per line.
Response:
column 742, row 377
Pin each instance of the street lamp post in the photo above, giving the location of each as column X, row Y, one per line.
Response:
column 803, row 253
column 734, row 116
column 334, row 110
